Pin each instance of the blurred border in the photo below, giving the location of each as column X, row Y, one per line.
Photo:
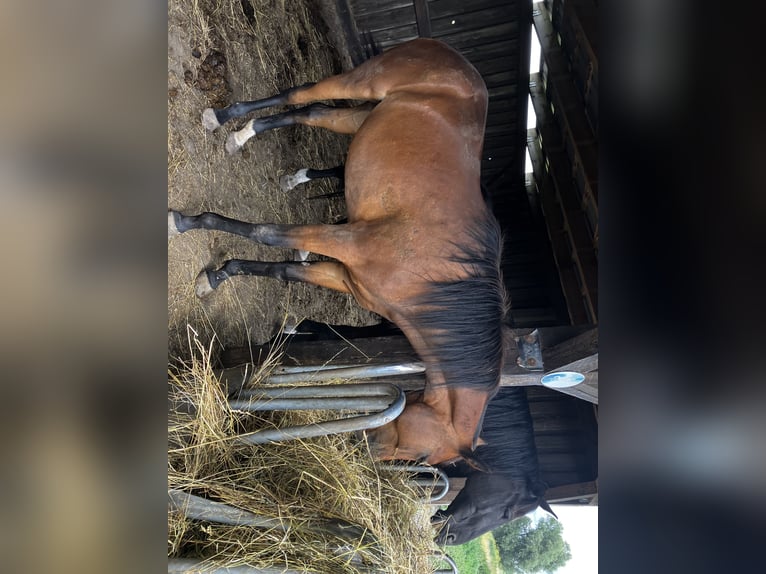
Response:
column 82, row 179
column 83, row 338
column 682, row 423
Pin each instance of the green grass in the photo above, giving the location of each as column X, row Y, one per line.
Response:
column 471, row 557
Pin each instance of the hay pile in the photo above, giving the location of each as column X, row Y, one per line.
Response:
column 298, row 482
column 257, row 48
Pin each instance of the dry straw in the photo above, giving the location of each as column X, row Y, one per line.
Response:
column 299, row 482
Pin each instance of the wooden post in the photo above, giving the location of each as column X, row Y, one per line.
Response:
column 422, row 18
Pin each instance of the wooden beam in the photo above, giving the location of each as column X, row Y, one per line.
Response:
column 562, row 348
column 422, row 18
column 569, row 492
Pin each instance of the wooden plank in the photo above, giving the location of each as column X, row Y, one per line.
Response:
column 445, row 8
column 462, row 39
column 567, row 492
column 558, row 443
column 560, row 461
column 354, row 351
column 422, row 18
column 436, row 8
column 498, row 47
column 467, row 21
column 553, row 479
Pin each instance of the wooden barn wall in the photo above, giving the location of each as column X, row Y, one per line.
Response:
column 494, row 36
column 566, row 436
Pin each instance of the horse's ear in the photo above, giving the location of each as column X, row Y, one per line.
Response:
column 473, row 461
column 547, row 508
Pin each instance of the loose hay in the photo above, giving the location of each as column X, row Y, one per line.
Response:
column 298, row 482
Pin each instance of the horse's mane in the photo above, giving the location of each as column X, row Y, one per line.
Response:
column 466, row 316
column 510, row 437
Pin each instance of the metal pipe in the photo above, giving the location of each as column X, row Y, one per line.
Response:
column 343, row 390
column 318, row 403
column 448, row 559
column 198, row 508
column 349, row 424
column 440, row 477
column 326, row 373
column 194, row 566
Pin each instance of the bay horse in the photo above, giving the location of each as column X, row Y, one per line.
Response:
column 510, row 486
column 420, row 247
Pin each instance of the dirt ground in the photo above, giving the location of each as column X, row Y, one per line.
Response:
column 221, row 51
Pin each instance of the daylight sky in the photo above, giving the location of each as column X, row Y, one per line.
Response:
column 580, row 524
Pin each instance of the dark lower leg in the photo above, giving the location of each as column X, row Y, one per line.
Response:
column 239, row 109
column 328, row 274
column 235, row 267
column 208, row 220
column 336, row 172
column 323, row 239
column 340, row 120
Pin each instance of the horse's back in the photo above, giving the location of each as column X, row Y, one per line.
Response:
column 413, row 169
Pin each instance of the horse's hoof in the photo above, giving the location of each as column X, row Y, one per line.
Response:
column 209, row 121
column 288, row 182
column 172, row 225
column 202, row 286
column 232, row 146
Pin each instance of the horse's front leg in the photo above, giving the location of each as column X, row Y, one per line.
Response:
column 329, row 274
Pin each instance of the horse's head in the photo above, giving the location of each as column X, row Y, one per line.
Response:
column 487, row 501
column 437, row 426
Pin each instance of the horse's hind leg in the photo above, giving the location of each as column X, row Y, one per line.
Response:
column 340, row 120
column 420, row 64
column 290, row 181
column 329, row 274
column 330, row 240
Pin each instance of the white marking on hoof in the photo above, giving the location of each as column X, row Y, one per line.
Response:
column 202, row 286
column 236, row 140
column 288, row 182
column 172, row 227
column 209, row 121
column 232, row 146
column 301, row 255
column 290, row 328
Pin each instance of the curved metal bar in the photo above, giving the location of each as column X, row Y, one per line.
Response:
column 358, row 397
column 194, row 566
column 326, row 373
column 448, row 559
column 311, row 404
column 330, row 427
column 197, row 566
column 341, row 390
column 439, row 477
column 198, row 508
